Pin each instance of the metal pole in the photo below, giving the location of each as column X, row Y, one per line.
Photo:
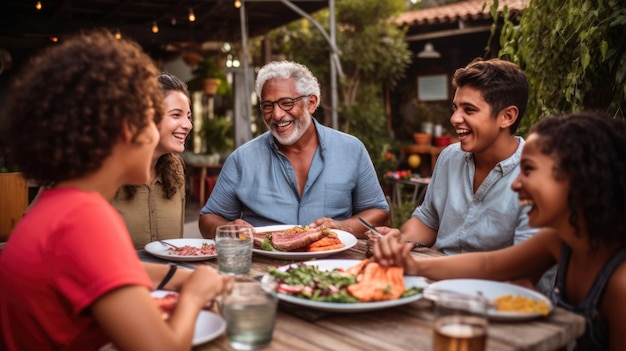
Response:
column 243, row 131
column 333, row 65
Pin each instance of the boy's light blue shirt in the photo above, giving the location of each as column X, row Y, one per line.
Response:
column 489, row 219
column 258, row 184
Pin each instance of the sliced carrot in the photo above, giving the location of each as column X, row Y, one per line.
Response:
column 326, row 241
column 326, row 248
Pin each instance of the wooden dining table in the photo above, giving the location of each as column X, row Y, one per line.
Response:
column 405, row 327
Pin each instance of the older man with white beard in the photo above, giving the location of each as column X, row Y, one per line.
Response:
column 299, row 171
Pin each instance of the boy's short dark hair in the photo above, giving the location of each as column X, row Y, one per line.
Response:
column 502, row 84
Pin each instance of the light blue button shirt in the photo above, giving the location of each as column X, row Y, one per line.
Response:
column 489, row 219
column 258, row 184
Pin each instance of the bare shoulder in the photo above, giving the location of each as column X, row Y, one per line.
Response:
column 613, row 302
column 617, row 282
column 613, row 307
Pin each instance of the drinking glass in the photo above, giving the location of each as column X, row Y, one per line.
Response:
column 234, row 249
column 460, row 322
column 250, row 314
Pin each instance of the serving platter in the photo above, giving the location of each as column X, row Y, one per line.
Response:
column 161, row 250
column 492, row 290
column 327, row 265
column 346, row 238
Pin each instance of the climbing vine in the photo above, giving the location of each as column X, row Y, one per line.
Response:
column 573, row 52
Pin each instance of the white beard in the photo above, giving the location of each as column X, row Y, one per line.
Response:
column 300, row 126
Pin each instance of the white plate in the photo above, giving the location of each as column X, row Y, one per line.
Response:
column 208, row 325
column 492, row 290
column 346, row 238
column 327, row 265
column 160, row 250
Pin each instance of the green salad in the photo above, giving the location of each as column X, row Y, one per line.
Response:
column 308, row 282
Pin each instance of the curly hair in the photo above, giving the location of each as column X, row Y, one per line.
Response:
column 589, row 149
column 69, row 103
column 502, row 84
column 306, row 83
column 170, row 167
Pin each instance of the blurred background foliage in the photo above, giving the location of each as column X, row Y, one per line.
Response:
column 574, row 54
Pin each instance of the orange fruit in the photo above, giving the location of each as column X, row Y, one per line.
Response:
column 414, row 161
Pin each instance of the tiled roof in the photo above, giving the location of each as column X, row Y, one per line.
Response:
column 465, row 10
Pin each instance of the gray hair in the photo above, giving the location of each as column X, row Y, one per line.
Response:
column 306, row 83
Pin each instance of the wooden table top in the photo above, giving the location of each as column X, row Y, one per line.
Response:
column 406, row 327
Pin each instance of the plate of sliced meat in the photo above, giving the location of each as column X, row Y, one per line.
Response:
column 295, row 242
column 184, row 249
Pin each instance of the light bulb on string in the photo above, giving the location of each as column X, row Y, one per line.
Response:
column 192, row 16
column 155, row 28
column 38, row 5
column 237, row 4
column 118, row 35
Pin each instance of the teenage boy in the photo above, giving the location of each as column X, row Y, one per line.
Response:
column 469, row 205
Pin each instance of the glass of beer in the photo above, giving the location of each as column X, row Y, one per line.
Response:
column 460, row 322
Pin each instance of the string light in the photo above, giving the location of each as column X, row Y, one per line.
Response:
column 118, row 35
column 38, row 5
column 237, row 4
column 54, row 39
column 192, row 16
column 155, row 28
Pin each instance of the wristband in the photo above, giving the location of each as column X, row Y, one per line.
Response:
column 168, row 276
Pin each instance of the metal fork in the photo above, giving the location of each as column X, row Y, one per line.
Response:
column 416, row 244
column 168, row 244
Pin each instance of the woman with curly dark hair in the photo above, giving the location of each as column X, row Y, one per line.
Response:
column 573, row 179
column 81, row 120
column 156, row 211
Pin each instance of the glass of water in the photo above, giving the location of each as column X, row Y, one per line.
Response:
column 250, row 314
column 234, row 249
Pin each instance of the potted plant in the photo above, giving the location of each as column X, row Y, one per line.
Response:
column 209, row 77
column 217, row 135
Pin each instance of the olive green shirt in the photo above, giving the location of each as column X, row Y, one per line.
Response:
column 149, row 216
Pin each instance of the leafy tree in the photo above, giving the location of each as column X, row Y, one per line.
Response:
column 574, row 54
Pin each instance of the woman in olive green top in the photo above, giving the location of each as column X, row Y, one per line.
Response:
column 156, row 211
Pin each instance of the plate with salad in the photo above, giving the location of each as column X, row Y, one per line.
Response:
column 332, row 285
column 346, row 240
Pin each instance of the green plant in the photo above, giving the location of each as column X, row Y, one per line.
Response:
column 209, row 68
column 573, row 52
column 401, row 213
column 218, row 134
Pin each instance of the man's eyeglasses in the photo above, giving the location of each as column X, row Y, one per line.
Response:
column 285, row 104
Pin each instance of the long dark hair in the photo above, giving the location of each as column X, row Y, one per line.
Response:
column 170, row 166
column 589, row 149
